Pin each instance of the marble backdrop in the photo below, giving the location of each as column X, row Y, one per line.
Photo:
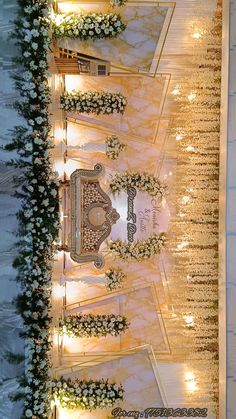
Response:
column 140, row 306
column 136, row 47
column 80, row 132
column 139, row 376
column 143, row 110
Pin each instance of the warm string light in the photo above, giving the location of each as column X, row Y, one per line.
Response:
column 185, row 199
column 176, row 90
column 194, row 281
column 189, row 320
column 179, row 137
column 192, row 96
column 190, row 148
column 182, row 245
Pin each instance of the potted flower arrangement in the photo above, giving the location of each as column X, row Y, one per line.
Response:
column 114, row 279
column 114, row 147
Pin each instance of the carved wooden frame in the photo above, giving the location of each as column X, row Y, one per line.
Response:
column 79, row 216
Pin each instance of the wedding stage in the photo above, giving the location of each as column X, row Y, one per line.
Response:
column 119, row 226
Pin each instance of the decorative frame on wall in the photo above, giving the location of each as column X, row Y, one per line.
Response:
column 160, row 42
column 79, row 306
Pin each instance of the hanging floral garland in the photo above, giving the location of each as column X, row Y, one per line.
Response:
column 142, row 181
column 91, row 325
column 100, row 102
column 114, row 147
column 118, row 3
column 87, row 395
column 87, row 26
column 138, row 250
column 114, row 279
column 39, row 216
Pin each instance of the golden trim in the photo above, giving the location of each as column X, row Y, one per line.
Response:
column 58, row 371
column 125, row 291
column 127, row 135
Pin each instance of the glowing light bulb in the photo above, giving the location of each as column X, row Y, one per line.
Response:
column 58, row 291
column 196, row 35
column 175, row 91
column 179, row 137
column 170, row 173
column 190, row 148
column 185, row 199
column 182, row 245
column 191, row 96
column 190, row 381
column 189, row 320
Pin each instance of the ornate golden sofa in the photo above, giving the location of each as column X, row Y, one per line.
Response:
column 88, row 215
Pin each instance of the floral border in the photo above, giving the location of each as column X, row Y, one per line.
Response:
column 39, row 215
column 142, row 181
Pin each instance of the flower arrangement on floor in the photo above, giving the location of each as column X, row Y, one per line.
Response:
column 114, row 147
column 114, row 279
column 39, row 216
column 142, row 181
column 138, row 250
column 118, row 3
column 87, row 26
column 100, row 102
column 86, row 395
column 91, row 325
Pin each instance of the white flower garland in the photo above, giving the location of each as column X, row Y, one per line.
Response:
column 100, row 102
column 114, row 279
column 87, row 26
column 142, row 181
column 39, row 218
column 118, row 3
column 91, row 325
column 138, row 250
column 87, row 395
column 114, row 147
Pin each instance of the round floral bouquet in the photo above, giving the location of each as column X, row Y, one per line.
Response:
column 114, row 279
column 141, row 181
column 118, row 3
column 90, row 325
column 87, row 395
column 87, row 26
column 138, row 250
column 100, row 102
column 113, row 147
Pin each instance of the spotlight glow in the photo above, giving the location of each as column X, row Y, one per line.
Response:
column 189, row 320
column 190, row 381
column 179, row 137
column 192, row 96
